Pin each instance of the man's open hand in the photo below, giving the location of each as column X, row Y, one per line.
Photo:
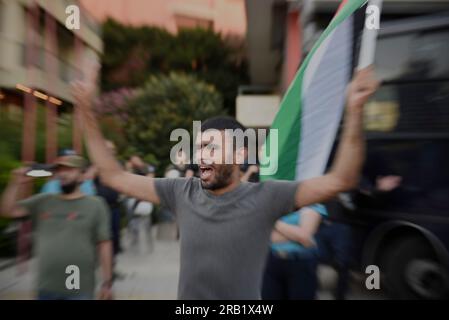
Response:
column 106, row 294
column 83, row 91
column 19, row 175
column 361, row 88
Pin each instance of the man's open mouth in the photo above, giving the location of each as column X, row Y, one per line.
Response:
column 206, row 172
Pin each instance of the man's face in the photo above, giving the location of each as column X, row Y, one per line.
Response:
column 68, row 177
column 216, row 160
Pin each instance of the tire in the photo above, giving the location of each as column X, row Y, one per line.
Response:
column 413, row 271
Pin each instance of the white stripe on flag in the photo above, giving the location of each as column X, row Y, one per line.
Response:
column 315, row 62
column 323, row 101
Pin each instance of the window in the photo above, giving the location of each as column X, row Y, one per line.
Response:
column 1, row 15
column 414, row 97
column 418, row 55
column 184, row 22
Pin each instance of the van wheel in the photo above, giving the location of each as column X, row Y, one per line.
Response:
column 413, row 271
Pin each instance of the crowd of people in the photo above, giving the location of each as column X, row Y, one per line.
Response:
column 239, row 238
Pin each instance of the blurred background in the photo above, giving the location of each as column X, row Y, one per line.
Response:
column 167, row 63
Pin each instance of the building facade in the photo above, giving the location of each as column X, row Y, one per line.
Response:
column 39, row 57
column 225, row 16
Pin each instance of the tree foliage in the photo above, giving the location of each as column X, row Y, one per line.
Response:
column 132, row 54
column 165, row 103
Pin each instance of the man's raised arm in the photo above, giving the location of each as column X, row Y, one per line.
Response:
column 110, row 171
column 350, row 156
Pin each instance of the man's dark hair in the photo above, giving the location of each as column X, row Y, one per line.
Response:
column 221, row 123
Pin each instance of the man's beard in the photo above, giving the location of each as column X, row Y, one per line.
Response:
column 222, row 179
column 69, row 187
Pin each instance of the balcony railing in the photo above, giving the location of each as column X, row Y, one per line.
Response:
column 66, row 71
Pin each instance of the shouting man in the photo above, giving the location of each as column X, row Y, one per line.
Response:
column 225, row 224
column 70, row 231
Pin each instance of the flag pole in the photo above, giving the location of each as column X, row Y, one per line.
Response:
column 369, row 36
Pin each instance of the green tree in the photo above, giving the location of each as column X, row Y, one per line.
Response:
column 165, row 103
column 11, row 126
column 133, row 53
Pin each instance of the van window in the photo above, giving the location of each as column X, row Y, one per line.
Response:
column 418, row 56
column 414, row 97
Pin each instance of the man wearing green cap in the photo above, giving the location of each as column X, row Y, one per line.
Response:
column 71, row 232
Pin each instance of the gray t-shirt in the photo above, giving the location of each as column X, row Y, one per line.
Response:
column 67, row 232
column 224, row 239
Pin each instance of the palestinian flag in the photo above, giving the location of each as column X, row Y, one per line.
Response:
column 312, row 108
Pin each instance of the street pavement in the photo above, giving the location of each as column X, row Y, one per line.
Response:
column 152, row 273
